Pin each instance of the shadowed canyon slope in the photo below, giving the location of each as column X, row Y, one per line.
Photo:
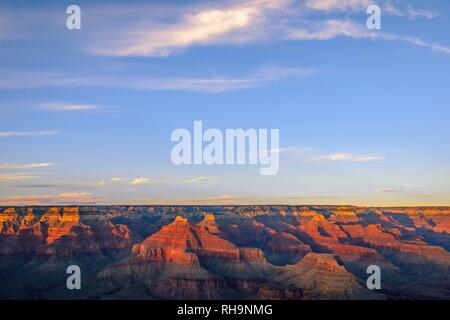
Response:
column 224, row 252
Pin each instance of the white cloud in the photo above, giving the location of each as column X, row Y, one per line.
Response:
column 200, row 180
column 67, row 107
column 141, row 181
column 215, row 84
column 11, row 166
column 387, row 7
column 196, row 29
column 303, row 154
column 386, row 190
column 345, row 157
column 239, row 22
column 7, row 134
column 12, row 177
column 417, row 41
column 330, row 29
column 252, row 21
column 409, row 11
column 338, row 5
column 152, row 30
column 135, row 181
column 247, row 22
column 290, row 152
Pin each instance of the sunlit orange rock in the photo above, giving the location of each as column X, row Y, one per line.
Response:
column 9, row 222
column 59, row 222
column 234, row 252
column 320, row 276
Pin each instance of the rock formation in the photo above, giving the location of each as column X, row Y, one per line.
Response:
column 225, row 252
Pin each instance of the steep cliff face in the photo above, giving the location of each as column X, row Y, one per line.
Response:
column 209, row 223
column 412, row 250
column 59, row 231
column 187, row 261
column 279, row 245
column 29, row 219
column 283, row 247
column 329, row 236
column 181, row 243
column 168, row 262
column 345, row 214
column 58, row 222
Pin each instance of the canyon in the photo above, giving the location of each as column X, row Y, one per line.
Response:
column 224, row 252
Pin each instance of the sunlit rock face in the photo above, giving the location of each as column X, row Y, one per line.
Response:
column 224, row 252
column 322, row 277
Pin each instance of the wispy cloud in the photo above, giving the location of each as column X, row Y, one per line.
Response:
column 345, row 157
column 434, row 46
column 7, row 134
column 338, row 5
column 54, row 106
column 330, row 29
column 306, row 154
column 12, row 166
column 387, row 7
column 196, row 29
column 409, row 11
column 214, row 84
column 142, row 181
column 251, row 21
column 200, row 180
column 223, row 199
column 13, row 177
column 288, row 154
column 237, row 22
column 386, row 190
column 134, row 181
column 58, row 199
column 164, row 30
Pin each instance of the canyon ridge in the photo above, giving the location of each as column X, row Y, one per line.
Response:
column 224, row 252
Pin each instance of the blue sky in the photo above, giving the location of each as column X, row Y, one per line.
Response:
column 86, row 115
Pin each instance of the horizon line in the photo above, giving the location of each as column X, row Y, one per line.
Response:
column 225, row 205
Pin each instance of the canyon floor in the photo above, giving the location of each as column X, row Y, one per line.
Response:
column 224, row 252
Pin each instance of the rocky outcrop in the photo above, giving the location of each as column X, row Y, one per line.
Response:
column 209, row 223
column 189, row 262
column 9, row 222
column 58, row 222
column 182, row 243
column 320, row 276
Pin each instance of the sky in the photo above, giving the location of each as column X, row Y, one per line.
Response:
column 86, row 115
